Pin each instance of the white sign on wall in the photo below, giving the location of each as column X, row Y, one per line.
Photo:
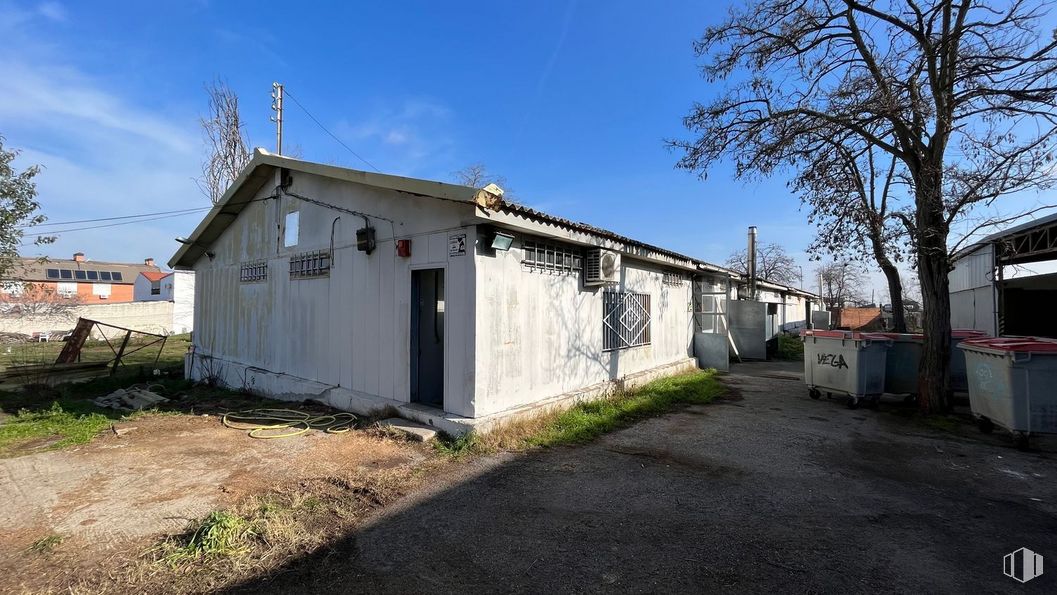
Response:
column 457, row 245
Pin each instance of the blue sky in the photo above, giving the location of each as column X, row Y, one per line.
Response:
column 569, row 101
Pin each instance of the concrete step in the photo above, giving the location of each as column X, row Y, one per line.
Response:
column 416, row 431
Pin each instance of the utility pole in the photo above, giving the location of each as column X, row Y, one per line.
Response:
column 277, row 107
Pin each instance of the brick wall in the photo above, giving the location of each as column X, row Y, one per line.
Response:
column 857, row 319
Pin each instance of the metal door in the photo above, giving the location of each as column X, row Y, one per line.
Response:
column 427, row 337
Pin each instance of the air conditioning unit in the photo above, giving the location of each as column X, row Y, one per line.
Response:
column 602, row 267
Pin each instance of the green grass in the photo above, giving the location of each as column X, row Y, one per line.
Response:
column 587, row 421
column 790, row 348
column 99, row 351
column 45, row 545
column 69, row 426
column 221, row 533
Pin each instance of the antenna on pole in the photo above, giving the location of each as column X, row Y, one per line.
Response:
column 277, row 107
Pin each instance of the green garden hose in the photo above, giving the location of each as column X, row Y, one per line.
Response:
column 287, row 423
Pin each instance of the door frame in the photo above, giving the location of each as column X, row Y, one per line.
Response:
column 444, row 366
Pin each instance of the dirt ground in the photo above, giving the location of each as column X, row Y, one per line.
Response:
column 766, row 491
column 111, row 498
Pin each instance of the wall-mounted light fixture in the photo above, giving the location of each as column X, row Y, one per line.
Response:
column 502, row 241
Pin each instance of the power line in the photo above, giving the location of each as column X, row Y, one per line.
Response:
column 78, row 221
column 62, row 231
column 324, row 128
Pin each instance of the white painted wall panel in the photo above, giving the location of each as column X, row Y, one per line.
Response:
column 350, row 329
column 540, row 334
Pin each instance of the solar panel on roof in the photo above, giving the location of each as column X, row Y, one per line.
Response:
column 53, row 273
column 116, row 275
column 66, row 273
column 104, row 275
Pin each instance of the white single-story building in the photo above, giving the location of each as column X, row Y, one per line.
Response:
column 177, row 287
column 364, row 290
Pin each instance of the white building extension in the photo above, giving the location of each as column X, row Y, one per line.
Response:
column 177, row 287
column 364, row 290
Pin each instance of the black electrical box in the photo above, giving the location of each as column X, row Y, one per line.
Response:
column 365, row 239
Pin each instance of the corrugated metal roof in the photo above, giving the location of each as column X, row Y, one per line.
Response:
column 264, row 165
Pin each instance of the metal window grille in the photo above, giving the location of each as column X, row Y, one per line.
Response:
column 673, row 278
column 551, row 258
column 310, row 264
column 625, row 320
column 251, row 272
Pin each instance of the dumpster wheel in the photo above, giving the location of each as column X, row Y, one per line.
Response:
column 985, row 425
column 853, row 402
column 814, row 393
column 1020, row 440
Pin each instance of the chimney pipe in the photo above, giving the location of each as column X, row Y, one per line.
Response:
column 78, row 256
column 148, row 262
column 751, row 256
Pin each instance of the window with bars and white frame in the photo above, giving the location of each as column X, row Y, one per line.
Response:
column 626, row 320
column 552, row 258
column 308, row 265
column 710, row 301
column 251, row 272
column 672, row 278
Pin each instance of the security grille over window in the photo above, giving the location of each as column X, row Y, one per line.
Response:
column 310, row 264
column 253, row 271
column 673, row 279
column 625, row 320
column 552, row 258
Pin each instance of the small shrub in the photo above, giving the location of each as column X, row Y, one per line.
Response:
column 221, row 533
column 790, row 348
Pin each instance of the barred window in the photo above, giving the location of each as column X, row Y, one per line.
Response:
column 625, row 320
column 251, row 272
column 310, row 264
column 673, row 279
column 552, row 258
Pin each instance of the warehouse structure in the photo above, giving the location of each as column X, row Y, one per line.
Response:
column 444, row 301
column 1000, row 285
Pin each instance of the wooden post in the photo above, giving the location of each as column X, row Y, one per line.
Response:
column 120, row 352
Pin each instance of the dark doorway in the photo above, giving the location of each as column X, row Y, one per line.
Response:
column 427, row 337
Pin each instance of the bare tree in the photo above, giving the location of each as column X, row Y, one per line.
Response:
column 960, row 94
column 476, row 175
column 228, row 148
column 853, row 199
column 772, row 264
column 842, row 282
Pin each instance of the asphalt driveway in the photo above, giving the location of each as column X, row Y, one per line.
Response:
column 766, row 490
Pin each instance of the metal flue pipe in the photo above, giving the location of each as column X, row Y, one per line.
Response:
column 751, row 257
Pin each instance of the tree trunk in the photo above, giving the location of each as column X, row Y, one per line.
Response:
column 895, row 284
column 933, row 268
column 895, row 293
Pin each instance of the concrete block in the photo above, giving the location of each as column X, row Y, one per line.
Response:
column 416, row 431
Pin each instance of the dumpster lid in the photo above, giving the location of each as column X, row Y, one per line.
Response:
column 965, row 333
column 904, row 336
column 1021, row 344
column 853, row 335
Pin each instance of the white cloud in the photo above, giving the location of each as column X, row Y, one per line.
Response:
column 102, row 153
column 63, row 100
column 413, row 137
column 53, row 11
